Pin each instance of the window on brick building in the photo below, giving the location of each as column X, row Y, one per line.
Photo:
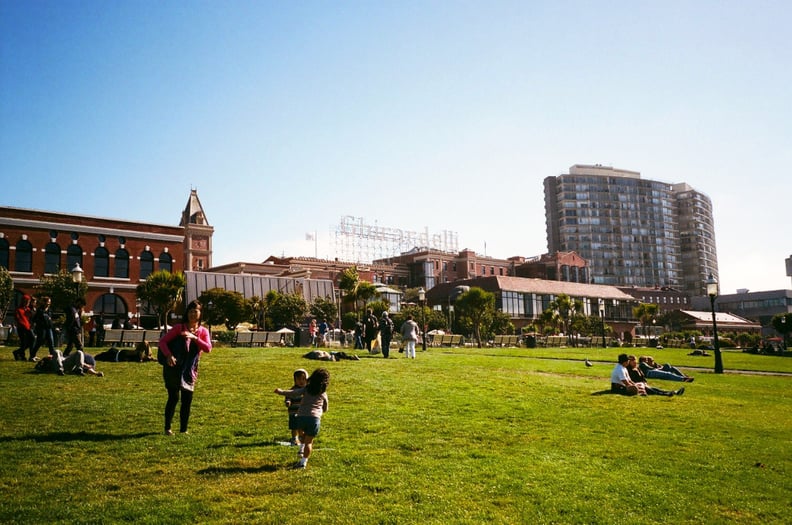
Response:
column 166, row 262
column 146, row 264
column 4, row 253
column 101, row 262
column 52, row 255
column 23, row 262
column 121, row 264
column 73, row 257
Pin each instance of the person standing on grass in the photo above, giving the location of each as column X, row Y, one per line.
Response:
column 24, row 332
column 386, row 333
column 371, row 327
column 309, row 416
column 72, row 326
column 183, row 345
column 409, row 333
column 293, row 402
column 44, row 328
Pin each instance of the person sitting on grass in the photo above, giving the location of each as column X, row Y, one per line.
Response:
column 652, row 370
column 621, row 382
column 637, row 377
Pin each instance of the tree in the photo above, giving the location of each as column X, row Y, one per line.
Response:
column 783, row 325
column 162, row 290
column 355, row 289
column 644, row 313
column 568, row 310
column 476, row 308
column 227, row 307
column 286, row 309
column 6, row 292
column 324, row 308
column 61, row 289
column 258, row 311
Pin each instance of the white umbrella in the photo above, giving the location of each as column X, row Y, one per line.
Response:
column 284, row 331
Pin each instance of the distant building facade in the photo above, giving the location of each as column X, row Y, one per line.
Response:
column 115, row 254
column 559, row 266
column 631, row 231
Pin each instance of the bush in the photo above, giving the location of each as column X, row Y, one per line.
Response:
column 225, row 337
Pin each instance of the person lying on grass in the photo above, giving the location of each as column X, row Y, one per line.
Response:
column 78, row 363
column 652, row 370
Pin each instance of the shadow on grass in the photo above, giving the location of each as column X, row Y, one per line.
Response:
column 57, row 437
column 214, row 471
column 603, row 392
column 256, row 444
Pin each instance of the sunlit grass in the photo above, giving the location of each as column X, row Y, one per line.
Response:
column 455, row 436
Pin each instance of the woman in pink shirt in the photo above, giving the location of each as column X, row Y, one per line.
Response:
column 183, row 345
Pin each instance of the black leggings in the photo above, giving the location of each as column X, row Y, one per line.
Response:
column 184, row 410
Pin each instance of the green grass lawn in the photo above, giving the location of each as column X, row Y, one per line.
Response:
column 455, row 436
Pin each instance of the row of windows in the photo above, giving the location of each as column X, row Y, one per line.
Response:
column 23, row 260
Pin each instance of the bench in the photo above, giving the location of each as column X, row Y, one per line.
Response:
column 243, row 339
column 113, row 336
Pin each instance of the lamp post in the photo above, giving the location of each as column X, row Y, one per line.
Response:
column 712, row 291
column 422, row 299
column 602, row 321
column 138, row 304
column 77, row 277
column 784, row 331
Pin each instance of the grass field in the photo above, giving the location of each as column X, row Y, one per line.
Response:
column 455, row 436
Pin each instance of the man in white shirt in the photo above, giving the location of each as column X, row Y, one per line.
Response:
column 620, row 379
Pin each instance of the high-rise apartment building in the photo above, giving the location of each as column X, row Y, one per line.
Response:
column 632, row 231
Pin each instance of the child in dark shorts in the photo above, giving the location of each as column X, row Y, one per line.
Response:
column 292, row 402
column 314, row 403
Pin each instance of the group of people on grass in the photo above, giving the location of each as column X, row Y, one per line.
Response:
column 35, row 327
column 181, row 349
column 629, row 377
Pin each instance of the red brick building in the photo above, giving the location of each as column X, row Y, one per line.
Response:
column 114, row 254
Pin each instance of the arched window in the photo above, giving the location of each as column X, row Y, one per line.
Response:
column 73, row 257
column 121, row 264
column 166, row 262
column 4, row 253
column 110, row 305
column 24, row 256
column 52, row 253
column 146, row 264
column 101, row 262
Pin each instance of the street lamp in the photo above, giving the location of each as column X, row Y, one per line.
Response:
column 712, row 291
column 77, row 277
column 138, row 304
column 422, row 299
column 784, row 331
column 77, row 274
column 602, row 321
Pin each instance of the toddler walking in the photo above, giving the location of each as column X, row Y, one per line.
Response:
column 314, row 403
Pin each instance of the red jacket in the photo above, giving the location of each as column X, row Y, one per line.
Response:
column 22, row 319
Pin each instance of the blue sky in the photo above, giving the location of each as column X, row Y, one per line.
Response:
column 287, row 116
